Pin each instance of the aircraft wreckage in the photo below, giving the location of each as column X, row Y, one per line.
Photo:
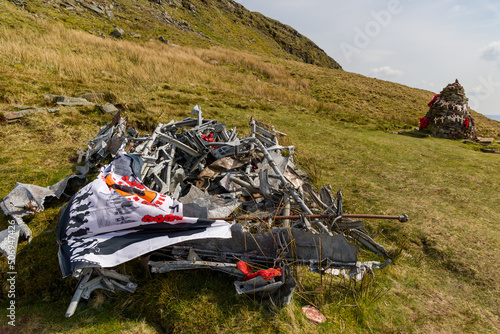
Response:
column 195, row 195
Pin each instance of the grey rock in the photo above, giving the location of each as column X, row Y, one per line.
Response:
column 117, row 33
column 175, row 3
column 92, row 7
column 67, row 101
column 51, row 98
column 161, row 39
column 22, row 107
column 16, row 115
column 193, row 8
column 108, row 108
column 72, row 101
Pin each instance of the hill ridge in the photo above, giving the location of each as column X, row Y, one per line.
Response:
column 199, row 23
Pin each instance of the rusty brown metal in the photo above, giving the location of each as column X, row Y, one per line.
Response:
column 402, row 218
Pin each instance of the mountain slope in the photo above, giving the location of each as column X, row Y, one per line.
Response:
column 188, row 22
column 444, row 275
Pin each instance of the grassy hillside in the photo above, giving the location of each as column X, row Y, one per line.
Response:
column 200, row 23
column 444, row 278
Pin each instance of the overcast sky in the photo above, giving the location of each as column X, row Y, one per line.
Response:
column 425, row 44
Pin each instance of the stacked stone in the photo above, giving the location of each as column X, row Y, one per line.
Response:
column 449, row 114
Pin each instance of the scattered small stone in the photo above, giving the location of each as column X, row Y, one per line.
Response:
column 51, row 98
column 72, row 101
column 22, row 107
column 92, row 7
column 117, row 33
column 15, row 116
column 193, row 8
column 108, row 108
column 490, row 150
column 313, row 314
column 161, row 39
column 481, row 140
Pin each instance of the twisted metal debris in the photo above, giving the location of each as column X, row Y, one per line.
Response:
column 277, row 217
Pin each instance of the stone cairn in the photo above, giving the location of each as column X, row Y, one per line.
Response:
column 449, row 115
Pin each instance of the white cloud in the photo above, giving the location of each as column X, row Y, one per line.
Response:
column 477, row 91
column 491, row 51
column 373, row 56
column 458, row 8
column 424, row 84
column 385, row 71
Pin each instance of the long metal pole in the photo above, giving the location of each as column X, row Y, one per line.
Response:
column 401, row 218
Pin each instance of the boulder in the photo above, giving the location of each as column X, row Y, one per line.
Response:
column 161, row 39
column 117, row 33
column 108, row 108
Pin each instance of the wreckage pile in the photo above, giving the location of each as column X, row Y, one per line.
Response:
column 449, row 115
column 195, row 195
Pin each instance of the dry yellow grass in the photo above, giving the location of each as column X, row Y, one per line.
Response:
column 71, row 56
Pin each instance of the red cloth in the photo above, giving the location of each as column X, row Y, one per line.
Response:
column 466, row 122
column 266, row 273
column 209, row 138
column 424, row 122
column 433, row 100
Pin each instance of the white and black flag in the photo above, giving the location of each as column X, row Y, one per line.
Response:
column 116, row 218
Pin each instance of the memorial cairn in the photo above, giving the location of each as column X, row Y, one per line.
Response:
column 449, row 115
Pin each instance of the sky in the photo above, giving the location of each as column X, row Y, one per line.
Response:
column 423, row 44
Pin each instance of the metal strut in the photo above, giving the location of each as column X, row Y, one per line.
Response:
column 105, row 279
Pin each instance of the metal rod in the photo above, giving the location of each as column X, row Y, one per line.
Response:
column 402, row 218
column 180, row 145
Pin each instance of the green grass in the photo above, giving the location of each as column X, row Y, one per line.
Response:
column 444, row 277
column 447, row 190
